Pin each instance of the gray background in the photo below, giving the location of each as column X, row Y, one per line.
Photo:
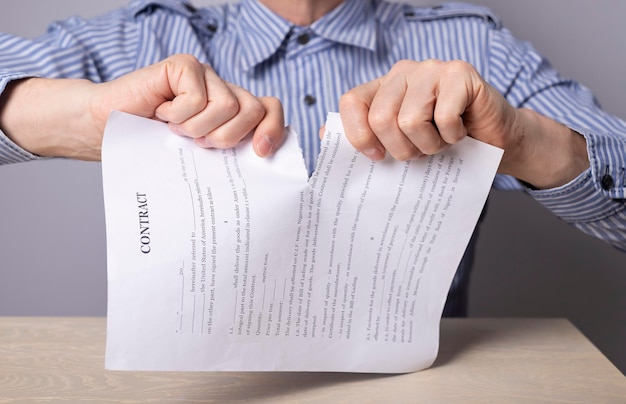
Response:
column 530, row 264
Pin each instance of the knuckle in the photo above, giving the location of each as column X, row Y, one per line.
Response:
column 450, row 128
column 229, row 106
column 402, row 65
column 457, row 67
column 432, row 64
column 254, row 111
column 399, row 65
column 196, row 101
column 348, row 100
column 186, row 58
column 272, row 101
column 379, row 120
column 410, row 124
column 270, row 104
column 446, row 120
column 181, row 59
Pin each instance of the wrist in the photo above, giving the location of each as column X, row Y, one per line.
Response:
column 543, row 152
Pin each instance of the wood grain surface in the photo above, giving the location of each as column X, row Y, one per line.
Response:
column 51, row 359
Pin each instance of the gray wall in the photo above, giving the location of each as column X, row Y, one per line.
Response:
column 52, row 238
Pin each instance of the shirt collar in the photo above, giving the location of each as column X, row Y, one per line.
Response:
column 261, row 32
column 351, row 23
column 139, row 6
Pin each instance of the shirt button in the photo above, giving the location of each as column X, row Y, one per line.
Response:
column 309, row 99
column 304, row 38
column 606, row 182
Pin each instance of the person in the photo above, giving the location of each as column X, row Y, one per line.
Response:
column 407, row 80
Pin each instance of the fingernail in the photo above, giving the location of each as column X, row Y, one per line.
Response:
column 204, row 142
column 374, row 153
column 264, row 146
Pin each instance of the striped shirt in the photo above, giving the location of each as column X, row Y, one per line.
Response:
column 309, row 68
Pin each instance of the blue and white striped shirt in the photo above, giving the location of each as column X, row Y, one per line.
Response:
column 309, row 68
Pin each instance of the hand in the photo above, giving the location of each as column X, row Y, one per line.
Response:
column 196, row 103
column 420, row 108
column 423, row 107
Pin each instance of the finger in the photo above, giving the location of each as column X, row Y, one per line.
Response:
column 455, row 94
column 418, row 125
column 383, row 116
column 270, row 132
column 201, row 110
column 250, row 113
column 354, row 110
column 322, row 131
column 416, row 115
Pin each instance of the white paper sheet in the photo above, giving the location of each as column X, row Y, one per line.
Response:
column 221, row 260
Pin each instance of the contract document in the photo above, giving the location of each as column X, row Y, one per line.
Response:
column 219, row 260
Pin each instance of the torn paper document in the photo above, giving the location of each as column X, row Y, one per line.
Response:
column 222, row 260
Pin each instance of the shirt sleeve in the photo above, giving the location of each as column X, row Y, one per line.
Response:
column 595, row 201
column 9, row 151
column 12, row 153
column 95, row 49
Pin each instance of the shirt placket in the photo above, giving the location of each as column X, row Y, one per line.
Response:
column 307, row 100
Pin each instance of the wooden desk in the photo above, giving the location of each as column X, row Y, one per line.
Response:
column 480, row 360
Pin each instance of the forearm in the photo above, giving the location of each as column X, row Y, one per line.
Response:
column 51, row 117
column 543, row 152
